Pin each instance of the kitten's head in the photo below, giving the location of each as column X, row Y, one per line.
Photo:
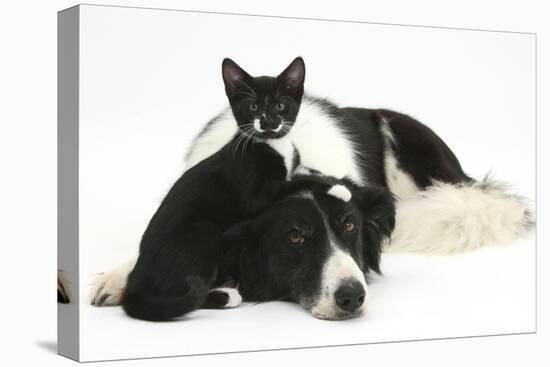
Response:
column 264, row 107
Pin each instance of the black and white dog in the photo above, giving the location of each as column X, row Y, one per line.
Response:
column 440, row 208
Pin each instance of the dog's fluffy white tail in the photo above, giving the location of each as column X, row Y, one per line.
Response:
column 447, row 218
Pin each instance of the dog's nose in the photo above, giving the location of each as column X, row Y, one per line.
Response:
column 350, row 296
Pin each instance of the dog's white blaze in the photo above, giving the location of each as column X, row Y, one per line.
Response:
column 399, row 182
column 339, row 266
column 341, row 192
column 344, row 272
column 322, row 145
column 235, row 298
column 112, row 284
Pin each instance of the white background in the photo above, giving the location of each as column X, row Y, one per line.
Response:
column 150, row 79
column 30, row 71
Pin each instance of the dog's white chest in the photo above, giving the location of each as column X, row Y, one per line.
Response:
column 323, row 146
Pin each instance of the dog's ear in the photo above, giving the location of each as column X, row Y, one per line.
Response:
column 377, row 206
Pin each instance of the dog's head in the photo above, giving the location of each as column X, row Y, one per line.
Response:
column 315, row 248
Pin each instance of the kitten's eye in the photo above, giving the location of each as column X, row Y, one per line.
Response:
column 349, row 226
column 295, row 237
column 280, row 107
column 253, row 107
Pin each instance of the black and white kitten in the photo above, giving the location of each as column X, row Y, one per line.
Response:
column 264, row 107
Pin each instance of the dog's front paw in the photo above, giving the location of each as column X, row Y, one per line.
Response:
column 108, row 288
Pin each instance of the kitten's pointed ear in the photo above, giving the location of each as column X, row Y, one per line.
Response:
column 233, row 76
column 294, row 74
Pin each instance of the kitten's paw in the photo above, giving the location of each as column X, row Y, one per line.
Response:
column 233, row 297
column 223, row 298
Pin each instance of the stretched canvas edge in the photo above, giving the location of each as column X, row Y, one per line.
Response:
column 68, row 340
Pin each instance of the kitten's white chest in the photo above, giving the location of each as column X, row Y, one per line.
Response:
column 285, row 148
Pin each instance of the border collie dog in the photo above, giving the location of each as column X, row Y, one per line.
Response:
column 440, row 209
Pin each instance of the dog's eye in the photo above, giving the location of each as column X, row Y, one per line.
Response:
column 295, row 237
column 253, row 107
column 349, row 226
column 280, row 107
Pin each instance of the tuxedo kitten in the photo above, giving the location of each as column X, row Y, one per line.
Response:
column 264, row 107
